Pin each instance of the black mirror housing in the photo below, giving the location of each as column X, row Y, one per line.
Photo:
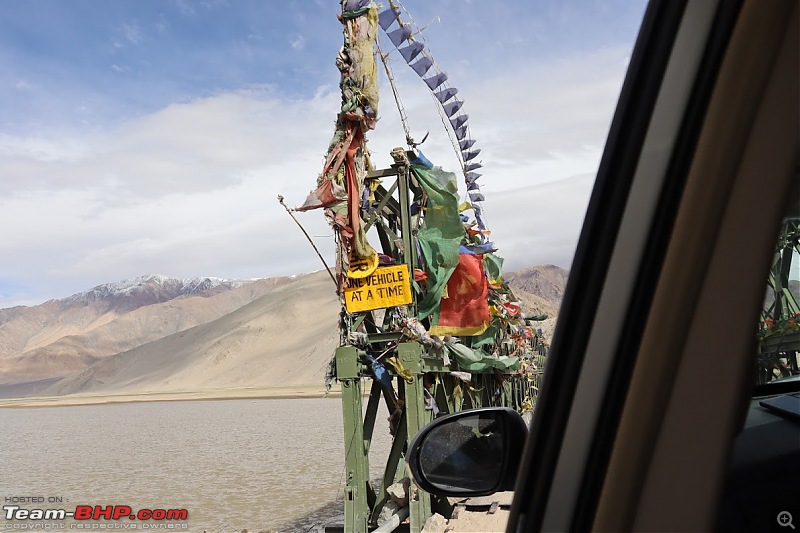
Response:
column 469, row 453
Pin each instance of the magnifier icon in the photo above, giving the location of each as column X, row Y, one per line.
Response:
column 785, row 519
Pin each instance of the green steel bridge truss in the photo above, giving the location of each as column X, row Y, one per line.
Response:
column 420, row 380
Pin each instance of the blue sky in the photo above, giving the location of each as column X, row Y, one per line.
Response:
column 145, row 136
column 96, row 63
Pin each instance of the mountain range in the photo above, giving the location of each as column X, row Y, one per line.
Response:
column 155, row 333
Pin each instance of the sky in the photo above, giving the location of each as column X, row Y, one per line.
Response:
column 153, row 136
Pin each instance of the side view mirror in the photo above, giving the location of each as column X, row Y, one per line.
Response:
column 469, row 453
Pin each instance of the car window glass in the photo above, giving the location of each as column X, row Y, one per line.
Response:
column 779, row 324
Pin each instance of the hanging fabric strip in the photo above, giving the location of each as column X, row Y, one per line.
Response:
column 446, row 94
column 466, row 144
column 398, row 36
column 422, row 66
column 411, row 51
column 434, row 81
column 478, row 249
column 472, row 176
column 476, row 197
column 440, row 235
column 471, row 155
column 479, row 216
column 355, row 5
column 452, row 108
column 461, row 132
column 458, row 121
column 387, row 17
column 465, row 310
column 472, row 166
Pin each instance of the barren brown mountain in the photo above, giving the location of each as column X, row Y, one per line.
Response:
column 276, row 332
column 63, row 336
column 285, row 337
column 547, row 281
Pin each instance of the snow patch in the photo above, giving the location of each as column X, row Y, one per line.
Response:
column 155, row 283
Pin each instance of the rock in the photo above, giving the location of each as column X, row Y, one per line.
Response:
column 435, row 524
column 388, row 511
column 399, row 491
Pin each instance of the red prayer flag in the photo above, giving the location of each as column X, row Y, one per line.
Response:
column 465, row 309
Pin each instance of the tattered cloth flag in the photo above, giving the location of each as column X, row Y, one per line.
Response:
column 465, row 309
column 342, row 181
column 472, row 177
column 459, row 121
column 451, row 108
column 446, row 95
column 411, row 51
column 387, row 17
column 422, row 66
column 466, row 144
column 398, row 36
column 434, row 81
column 476, row 197
column 441, row 233
column 470, row 155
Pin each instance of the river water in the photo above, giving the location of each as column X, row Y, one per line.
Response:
column 234, row 464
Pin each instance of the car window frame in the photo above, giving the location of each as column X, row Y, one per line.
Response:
column 632, row 118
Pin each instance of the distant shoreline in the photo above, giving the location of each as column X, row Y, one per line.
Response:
column 267, row 393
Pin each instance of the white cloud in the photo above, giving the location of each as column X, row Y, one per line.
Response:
column 207, row 144
column 132, row 32
column 534, row 124
column 191, row 189
column 541, row 131
column 37, row 149
column 539, row 224
column 298, row 42
column 215, row 4
column 23, row 85
column 185, row 7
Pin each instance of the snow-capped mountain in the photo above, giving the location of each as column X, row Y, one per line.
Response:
column 130, row 294
column 67, row 334
column 156, row 333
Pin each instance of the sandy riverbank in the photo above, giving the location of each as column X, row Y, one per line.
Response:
column 300, row 391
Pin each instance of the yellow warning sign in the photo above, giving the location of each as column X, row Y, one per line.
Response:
column 361, row 268
column 386, row 287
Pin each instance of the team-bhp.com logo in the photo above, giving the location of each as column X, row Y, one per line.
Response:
column 95, row 512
